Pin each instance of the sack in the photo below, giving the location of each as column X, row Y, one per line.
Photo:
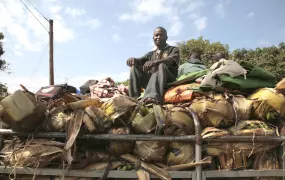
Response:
column 268, row 104
column 87, row 155
column 211, row 132
column 181, row 93
column 151, row 151
column 37, row 153
column 229, row 68
column 180, row 153
column 233, row 161
column 22, row 111
column 57, row 119
column 242, row 107
column 228, row 157
column 119, row 108
column 178, row 122
column 256, row 77
column 188, row 78
column 117, row 148
column 96, row 121
column 144, row 121
column 253, row 128
column 214, row 112
column 266, row 160
column 216, row 149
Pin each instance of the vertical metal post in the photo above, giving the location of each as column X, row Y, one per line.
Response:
column 51, row 70
column 204, row 175
column 194, row 176
column 1, row 136
column 198, row 148
column 283, row 158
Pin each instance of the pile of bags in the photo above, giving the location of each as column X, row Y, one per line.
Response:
column 238, row 100
column 118, row 115
column 225, row 101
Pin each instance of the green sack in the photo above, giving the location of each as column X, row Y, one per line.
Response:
column 256, row 78
column 245, row 85
column 258, row 72
column 189, row 77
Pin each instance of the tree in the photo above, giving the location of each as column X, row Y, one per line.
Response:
column 3, row 67
column 270, row 58
column 126, row 82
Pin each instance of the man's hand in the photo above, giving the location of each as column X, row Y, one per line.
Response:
column 148, row 65
column 131, row 61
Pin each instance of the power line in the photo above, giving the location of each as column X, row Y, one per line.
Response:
column 34, row 15
column 37, row 10
column 38, row 64
column 16, row 85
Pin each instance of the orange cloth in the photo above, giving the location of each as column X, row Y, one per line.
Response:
column 181, row 93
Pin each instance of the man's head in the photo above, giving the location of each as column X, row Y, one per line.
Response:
column 218, row 56
column 160, row 37
column 195, row 55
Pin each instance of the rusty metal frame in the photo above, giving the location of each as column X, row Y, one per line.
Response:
column 198, row 144
column 194, row 175
column 117, row 137
column 198, row 174
column 87, row 173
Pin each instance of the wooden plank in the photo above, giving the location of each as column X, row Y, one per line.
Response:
column 87, row 173
column 244, row 173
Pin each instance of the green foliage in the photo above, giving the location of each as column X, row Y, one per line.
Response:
column 270, row 58
column 3, row 90
column 205, row 47
column 3, row 67
column 3, row 63
column 126, row 83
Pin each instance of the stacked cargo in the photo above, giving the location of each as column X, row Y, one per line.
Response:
column 221, row 110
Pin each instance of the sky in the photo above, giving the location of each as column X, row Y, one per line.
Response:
column 94, row 38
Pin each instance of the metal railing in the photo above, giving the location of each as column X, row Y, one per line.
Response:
column 198, row 174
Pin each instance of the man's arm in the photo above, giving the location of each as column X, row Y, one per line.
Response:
column 138, row 61
column 144, row 58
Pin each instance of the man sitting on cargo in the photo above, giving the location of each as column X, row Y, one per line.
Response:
column 193, row 64
column 154, row 70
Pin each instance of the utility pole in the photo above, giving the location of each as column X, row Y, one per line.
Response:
column 51, row 70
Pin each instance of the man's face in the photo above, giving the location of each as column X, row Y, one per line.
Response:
column 159, row 37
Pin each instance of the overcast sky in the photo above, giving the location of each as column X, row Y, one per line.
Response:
column 93, row 38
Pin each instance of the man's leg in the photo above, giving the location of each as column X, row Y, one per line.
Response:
column 138, row 79
column 157, row 83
